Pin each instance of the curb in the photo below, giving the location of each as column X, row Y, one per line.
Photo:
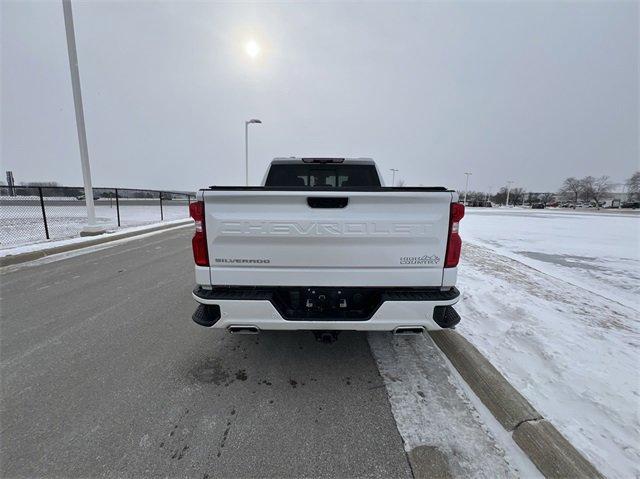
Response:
column 508, row 406
column 544, row 445
column 550, row 451
column 108, row 237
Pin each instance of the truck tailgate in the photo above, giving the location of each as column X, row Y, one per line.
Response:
column 263, row 237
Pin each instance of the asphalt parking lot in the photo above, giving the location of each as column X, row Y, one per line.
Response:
column 105, row 374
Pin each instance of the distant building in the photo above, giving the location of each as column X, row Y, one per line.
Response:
column 616, row 199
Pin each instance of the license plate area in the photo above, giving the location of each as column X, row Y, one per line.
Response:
column 327, row 304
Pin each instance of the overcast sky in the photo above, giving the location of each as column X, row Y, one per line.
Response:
column 531, row 92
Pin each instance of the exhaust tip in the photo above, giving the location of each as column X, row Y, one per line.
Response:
column 243, row 329
column 408, row 330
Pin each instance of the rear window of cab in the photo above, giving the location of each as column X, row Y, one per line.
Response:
column 322, row 176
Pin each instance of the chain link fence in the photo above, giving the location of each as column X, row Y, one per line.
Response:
column 29, row 214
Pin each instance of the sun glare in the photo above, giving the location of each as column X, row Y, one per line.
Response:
column 252, row 48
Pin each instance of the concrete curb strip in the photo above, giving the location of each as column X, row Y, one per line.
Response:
column 552, row 454
column 549, row 450
column 33, row 255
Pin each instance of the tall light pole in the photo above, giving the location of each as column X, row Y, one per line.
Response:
column 92, row 227
column 509, row 183
column 466, row 188
column 393, row 178
column 246, row 148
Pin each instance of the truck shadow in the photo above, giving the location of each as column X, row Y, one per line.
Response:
column 288, row 359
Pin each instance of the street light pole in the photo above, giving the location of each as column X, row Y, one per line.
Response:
column 246, row 148
column 466, row 188
column 92, row 227
column 509, row 183
column 393, row 178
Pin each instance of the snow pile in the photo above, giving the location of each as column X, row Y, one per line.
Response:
column 564, row 330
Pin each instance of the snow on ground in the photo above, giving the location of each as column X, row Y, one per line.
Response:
column 599, row 251
column 116, row 233
column 23, row 224
column 563, row 325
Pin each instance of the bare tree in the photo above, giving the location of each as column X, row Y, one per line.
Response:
column 517, row 195
column 480, row 197
column 633, row 187
column 475, row 197
column 471, row 195
column 400, row 183
column 596, row 189
column 501, row 196
column 572, row 189
column 546, row 198
column 532, row 198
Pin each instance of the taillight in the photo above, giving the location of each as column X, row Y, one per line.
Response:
column 454, row 245
column 199, row 241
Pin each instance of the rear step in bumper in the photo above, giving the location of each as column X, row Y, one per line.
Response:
column 206, row 315
column 446, row 316
column 243, row 310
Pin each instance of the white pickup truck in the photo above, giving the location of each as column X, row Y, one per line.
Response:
column 324, row 246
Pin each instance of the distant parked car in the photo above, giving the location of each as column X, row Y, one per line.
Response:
column 631, row 204
column 537, row 206
column 82, row 197
column 479, row 203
